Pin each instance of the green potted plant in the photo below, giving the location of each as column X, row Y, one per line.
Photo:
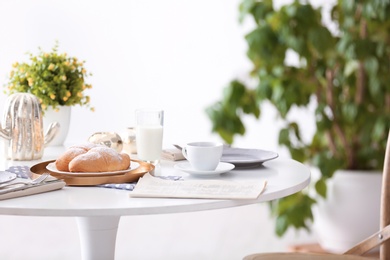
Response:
column 59, row 82
column 344, row 74
column 56, row 79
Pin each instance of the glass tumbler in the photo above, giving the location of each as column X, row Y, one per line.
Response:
column 149, row 134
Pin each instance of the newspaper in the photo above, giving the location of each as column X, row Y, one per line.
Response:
column 153, row 187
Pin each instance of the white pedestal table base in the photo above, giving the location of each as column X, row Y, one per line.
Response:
column 98, row 237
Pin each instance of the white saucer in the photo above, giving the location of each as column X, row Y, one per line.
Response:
column 6, row 176
column 221, row 168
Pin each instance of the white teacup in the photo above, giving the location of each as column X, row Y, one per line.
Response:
column 203, row 156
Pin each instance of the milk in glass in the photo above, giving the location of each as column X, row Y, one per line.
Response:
column 149, row 134
column 149, row 142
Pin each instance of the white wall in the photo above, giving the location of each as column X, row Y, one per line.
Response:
column 173, row 54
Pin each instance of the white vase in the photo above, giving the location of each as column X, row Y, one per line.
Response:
column 351, row 211
column 62, row 116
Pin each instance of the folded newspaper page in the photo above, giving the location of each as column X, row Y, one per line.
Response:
column 154, row 187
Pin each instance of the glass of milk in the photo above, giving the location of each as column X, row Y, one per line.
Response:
column 149, row 134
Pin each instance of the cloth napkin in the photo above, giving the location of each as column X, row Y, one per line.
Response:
column 24, row 172
column 19, row 190
column 131, row 186
column 21, row 171
column 173, row 154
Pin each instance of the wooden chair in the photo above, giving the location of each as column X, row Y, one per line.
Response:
column 381, row 238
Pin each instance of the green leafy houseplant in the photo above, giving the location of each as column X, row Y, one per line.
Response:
column 56, row 79
column 345, row 74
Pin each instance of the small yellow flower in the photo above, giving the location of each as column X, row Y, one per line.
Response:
column 52, row 96
column 51, row 66
column 92, row 109
column 11, row 74
column 84, row 71
column 63, row 78
column 67, row 63
column 15, row 64
column 46, row 55
column 43, row 106
column 21, row 70
column 30, row 81
column 65, row 99
column 68, row 94
column 79, row 94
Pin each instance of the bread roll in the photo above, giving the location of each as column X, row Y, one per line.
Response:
column 92, row 158
column 62, row 163
column 100, row 159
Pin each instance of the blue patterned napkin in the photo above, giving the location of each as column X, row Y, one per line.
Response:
column 119, row 186
column 21, row 171
column 25, row 173
column 130, row 186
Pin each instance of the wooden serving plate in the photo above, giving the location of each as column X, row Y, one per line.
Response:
column 131, row 176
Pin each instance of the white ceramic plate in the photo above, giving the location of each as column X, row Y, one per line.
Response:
column 241, row 157
column 6, row 176
column 221, row 168
column 52, row 167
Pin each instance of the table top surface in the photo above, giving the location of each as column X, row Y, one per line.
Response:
column 284, row 177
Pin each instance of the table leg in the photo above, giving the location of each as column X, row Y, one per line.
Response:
column 98, row 236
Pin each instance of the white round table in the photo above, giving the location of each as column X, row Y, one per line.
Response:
column 98, row 210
